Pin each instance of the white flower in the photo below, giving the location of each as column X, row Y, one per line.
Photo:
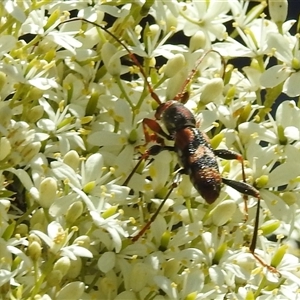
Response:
column 208, row 17
column 9, row 251
column 241, row 13
column 285, row 49
column 35, row 24
column 282, row 130
column 57, row 239
column 253, row 37
column 59, row 125
column 14, row 10
column 100, row 197
column 34, row 74
column 18, row 140
column 71, row 135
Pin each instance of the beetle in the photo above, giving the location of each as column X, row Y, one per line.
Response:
column 196, row 157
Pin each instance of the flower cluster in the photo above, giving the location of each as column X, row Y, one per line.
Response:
column 73, row 189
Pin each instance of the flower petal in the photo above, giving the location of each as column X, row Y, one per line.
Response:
column 273, row 76
column 291, row 86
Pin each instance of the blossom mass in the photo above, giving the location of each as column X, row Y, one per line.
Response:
column 72, row 102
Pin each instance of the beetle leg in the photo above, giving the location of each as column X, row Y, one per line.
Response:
column 156, row 129
column 152, row 151
column 229, row 155
column 174, row 184
column 248, row 189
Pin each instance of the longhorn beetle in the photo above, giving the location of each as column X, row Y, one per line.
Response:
column 192, row 146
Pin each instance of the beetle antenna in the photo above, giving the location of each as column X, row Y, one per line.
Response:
column 183, row 95
column 131, row 55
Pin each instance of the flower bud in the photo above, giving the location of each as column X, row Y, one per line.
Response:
column 22, row 229
column 278, row 256
column 75, row 268
column 171, row 267
column 30, row 150
column 269, row 227
column 5, row 115
column 32, row 237
column 48, row 189
column 223, row 212
column 245, row 261
column 14, row 159
column 3, row 80
column 35, row 113
column 73, row 290
column 37, row 219
column 152, row 62
column 34, row 94
column 278, row 10
column 108, row 286
column 154, row 30
column 106, row 261
column 54, row 278
column 289, row 198
column 139, row 271
column 34, row 250
column 5, row 147
column 175, row 64
column 175, row 83
column 165, row 239
column 63, row 265
column 74, row 212
column 72, row 159
column 110, row 59
column 197, row 41
column 133, row 136
column 212, row 91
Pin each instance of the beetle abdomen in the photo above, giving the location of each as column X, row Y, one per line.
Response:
column 207, row 182
column 199, row 162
